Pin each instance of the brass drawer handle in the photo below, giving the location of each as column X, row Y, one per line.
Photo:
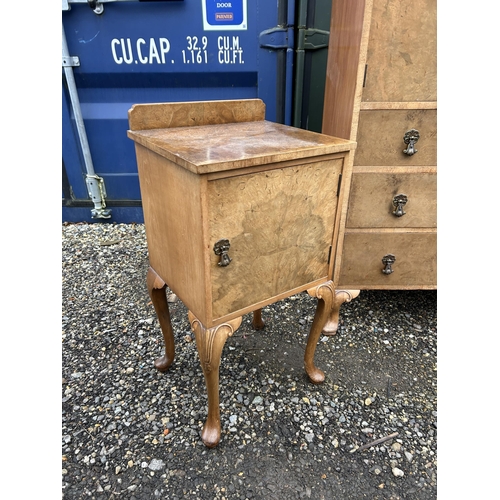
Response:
column 388, row 260
column 221, row 248
column 399, row 201
column 410, row 139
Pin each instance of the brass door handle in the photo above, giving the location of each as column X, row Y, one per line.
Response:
column 410, row 138
column 399, row 201
column 221, row 248
column 388, row 260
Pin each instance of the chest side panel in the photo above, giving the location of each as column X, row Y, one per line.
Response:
column 173, row 222
column 280, row 226
column 402, row 51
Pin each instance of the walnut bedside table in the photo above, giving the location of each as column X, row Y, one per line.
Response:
column 239, row 213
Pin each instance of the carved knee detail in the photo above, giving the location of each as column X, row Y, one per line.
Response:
column 210, row 342
column 341, row 296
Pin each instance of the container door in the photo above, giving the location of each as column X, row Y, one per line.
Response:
column 312, row 37
column 119, row 53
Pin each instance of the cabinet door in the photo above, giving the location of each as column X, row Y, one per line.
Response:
column 280, row 225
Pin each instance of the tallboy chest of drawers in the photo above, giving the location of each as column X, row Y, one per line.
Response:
column 239, row 213
column 381, row 91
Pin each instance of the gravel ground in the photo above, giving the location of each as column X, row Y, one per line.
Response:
column 131, row 432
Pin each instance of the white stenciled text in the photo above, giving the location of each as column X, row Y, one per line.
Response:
column 141, row 51
column 196, row 50
column 229, row 51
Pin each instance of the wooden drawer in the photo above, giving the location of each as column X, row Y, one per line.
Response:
column 381, row 137
column 414, row 267
column 372, row 197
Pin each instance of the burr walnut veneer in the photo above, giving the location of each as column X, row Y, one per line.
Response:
column 239, row 213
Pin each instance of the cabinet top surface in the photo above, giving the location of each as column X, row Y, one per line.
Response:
column 214, row 148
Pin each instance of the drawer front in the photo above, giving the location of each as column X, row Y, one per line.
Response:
column 280, row 227
column 392, row 200
column 415, row 264
column 381, row 135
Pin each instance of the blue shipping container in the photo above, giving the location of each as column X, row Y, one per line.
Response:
column 119, row 53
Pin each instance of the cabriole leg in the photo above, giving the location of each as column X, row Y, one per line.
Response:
column 325, row 294
column 341, row 296
column 210, row 342
column 257, row 322
column 157, row 292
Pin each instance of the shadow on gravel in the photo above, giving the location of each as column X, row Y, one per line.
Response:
column 129, row 431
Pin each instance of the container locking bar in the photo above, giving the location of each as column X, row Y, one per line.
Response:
column 276, row 38
column 95, row 184
column 312, row 39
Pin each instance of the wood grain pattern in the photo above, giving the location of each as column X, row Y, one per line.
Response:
column 344, row 76
column 402, row 51
column 173, row 221
column 190, row 114
column 280, row 225
column 372, row 194
column 399, row 105
column 216, row 148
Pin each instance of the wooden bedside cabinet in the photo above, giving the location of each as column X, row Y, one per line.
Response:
column 239, row 213
column 381, row 92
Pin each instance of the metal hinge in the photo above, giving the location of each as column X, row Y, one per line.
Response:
column 95, row 5
column 70, row 61
column 312, row 39
column 97, row 193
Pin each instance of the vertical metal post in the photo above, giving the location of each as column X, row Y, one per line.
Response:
column 95, row 184
column 300, row 62
column 290, row 62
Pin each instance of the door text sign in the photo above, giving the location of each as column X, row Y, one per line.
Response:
column 224, row 14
